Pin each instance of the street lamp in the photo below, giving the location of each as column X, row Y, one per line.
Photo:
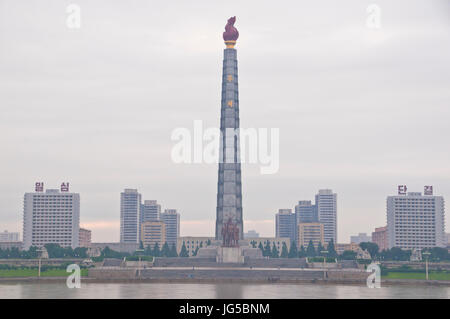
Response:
column 139, row 262
column 324, row 252
column 39, row 251
column 427, row 254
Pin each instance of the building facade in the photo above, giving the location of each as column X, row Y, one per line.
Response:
column 96, row 248
column 340, row 248
column 360, row 238
column 306, row 212
column 278, row 241
column 310, row 232
column 85, row 237
column 51, row 217
column 171, row 219
column 130, row 211
column 151, row 211
column 415, row 221
column 251, row 234
column 380, row 237
column 326, row 202
column 9, row 237
column 191, row 243
column 152, row 233
column 229, row 186
column 285, row 224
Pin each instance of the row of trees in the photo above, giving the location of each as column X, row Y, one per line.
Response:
column 164, row 251
column 53, row 250
column 15, row 253
column 294, row 252
column 435, row 254
column 56, row 251
column 394, row 254
column 397, row 254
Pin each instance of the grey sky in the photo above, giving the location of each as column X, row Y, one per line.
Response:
column 359, row 110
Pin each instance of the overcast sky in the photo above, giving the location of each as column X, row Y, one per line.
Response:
column 359, row 110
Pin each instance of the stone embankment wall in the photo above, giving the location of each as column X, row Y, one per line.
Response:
column 211, row 262
column 112, row 273
column 228, row 275
column 35, row 262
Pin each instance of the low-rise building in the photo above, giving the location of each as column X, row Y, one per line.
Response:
column 85, row 237
column 6, row 236
column 251, row 234
column 191, row 243
column 380, row 237
column 360, row 238
column 152, row 233
column 340, row 248
column 310, row 232
column 277, row 240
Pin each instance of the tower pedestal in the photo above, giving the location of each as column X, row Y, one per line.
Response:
column 230, row 255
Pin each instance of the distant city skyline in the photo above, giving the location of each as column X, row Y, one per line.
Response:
column 194, row 226
column 360, row 110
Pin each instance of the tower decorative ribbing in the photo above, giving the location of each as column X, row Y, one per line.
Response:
column 229, row 186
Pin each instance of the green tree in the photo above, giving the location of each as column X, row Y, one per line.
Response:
column 437, row 254
column 310, row 250
column 284, row 251
column 253, row 243
column 14, row 253
column 267, row 251
column 173, row 251
column 165, row 251
column 195, row 251
column 184, row 252
column 293, row 253
column 319, row 250
column 348, row 255
column 275, row 253
column 396, row 254
column 331, row 249
column 260, row 246
column 372, row 248
column 109, row 253
column 302, row 252
column 80, row 252
column 156, row 251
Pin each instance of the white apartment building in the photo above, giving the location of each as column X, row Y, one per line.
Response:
column 360, row 238
column 171, row 219
column 326, row 205
column 51, row 217
column 130, row 216
column 151, row 211
column 6, row 236
column 415, row 221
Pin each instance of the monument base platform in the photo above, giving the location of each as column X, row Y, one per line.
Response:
column 234, row 255
column 230, row 255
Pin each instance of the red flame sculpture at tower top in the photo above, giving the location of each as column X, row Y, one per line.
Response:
column 231, row 33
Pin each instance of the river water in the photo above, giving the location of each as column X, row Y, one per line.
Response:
column 205, row 291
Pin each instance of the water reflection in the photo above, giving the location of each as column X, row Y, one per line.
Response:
column 206, row 291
